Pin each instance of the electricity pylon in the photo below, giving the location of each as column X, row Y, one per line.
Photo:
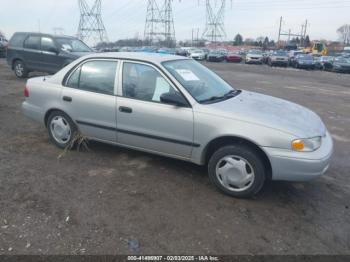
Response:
column 160, row 22
column 215, row 26
column 91, row 28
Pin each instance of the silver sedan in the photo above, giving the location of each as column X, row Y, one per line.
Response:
column 176, row 107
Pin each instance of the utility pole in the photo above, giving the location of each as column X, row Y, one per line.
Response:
column 279, row 31
column 91, row 28
column 302, row 34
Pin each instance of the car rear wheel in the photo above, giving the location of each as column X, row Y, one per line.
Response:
column 20, row 69
column 61, row 128
column 237, row 170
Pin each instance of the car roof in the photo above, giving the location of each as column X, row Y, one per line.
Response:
column 140, row 56
column 43, row 34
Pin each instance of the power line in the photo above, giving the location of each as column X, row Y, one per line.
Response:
column 91, row 28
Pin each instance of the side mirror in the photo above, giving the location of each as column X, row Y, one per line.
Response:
column 174, row 99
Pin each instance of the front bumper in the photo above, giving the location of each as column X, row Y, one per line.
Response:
column 280, row 62
column 300, row 166
column 253, row 60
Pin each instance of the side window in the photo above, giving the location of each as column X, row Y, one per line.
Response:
column 95, row 76
column 47, row 44
column 73, row 81
column 144, row 83
column 17, row 40
column 32, row 42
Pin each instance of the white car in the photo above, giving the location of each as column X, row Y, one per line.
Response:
column 197, row 54
column 254, row 57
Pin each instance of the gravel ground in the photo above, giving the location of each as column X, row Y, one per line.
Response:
column 110, row 200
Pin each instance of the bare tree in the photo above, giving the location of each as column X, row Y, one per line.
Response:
column 344, row 32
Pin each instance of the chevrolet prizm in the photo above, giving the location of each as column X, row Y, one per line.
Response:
column 176, row 107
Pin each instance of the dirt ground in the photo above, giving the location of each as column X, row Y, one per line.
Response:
column 115, row 201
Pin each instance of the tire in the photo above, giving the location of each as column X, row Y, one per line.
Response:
column 20, row 69
column 62, row 130
column 250, row 171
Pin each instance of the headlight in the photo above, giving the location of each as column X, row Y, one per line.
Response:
column 307, row 145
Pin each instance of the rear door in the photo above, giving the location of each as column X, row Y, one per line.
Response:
column 32, row 53
column 89, row 98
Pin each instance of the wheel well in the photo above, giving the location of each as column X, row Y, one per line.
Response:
column 229, row 140
column 46, row 118
column 14, row 61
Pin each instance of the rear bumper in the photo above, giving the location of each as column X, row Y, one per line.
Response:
column 297, row 166
column 33, row 112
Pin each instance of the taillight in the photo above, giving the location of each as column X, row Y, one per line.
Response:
column 26, row 91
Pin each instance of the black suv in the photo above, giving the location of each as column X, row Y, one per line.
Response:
column 28, row 52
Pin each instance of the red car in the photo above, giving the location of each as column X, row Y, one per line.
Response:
column 234, row 57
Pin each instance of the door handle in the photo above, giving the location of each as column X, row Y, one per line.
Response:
column 67, row 99
column 125, row 109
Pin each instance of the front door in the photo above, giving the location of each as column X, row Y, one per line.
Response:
column 143, row 121
column 50, row 58
column 89, row 99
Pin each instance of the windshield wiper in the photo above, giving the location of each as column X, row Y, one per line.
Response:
column 230, row 94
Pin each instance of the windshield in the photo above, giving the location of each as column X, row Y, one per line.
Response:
column 72, row 45
column 280, row 53
column 255, row 52
column 305, row 57
column 199, row 81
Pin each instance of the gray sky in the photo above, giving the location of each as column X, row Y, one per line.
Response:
column 126, row 18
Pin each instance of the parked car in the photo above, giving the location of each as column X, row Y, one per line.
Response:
column 233, row 57
column 266, row 56
column 324, row 63
column 292, row 56
column 3, row 46
column 167, row 51
column 304, row 61
column 341, row 65
column 197, row 54
column 176, row 107
column 216, row 56
column 181, row 52
column 278, row 58
column 254, row 57
column 29, row 52
column 206, row 52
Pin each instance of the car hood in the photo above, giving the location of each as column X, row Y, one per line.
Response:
column 254, row 55
column 279, row 57
column 271, row 112
column 76, row 55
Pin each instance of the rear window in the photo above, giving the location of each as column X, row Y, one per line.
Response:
column 17, row 40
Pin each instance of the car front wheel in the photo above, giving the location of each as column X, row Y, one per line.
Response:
column 61, row 128
column 237, row 170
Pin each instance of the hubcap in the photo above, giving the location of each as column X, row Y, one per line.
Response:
column 60, row 129
column 235, row 173
column 19, row 69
